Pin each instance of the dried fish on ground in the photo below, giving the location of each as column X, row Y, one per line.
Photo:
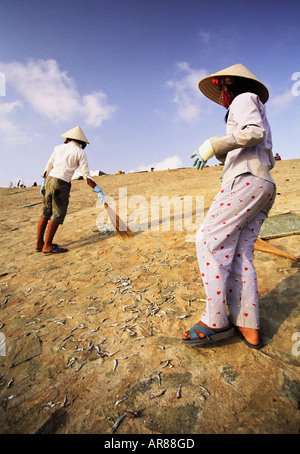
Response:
column 118, row 422
column 9, row 384
column 178, row 394
column 158, row 394
column 159, row 377
column 81, row 365
column 95, row 329
column 203, row 387
column 70, row 362
column 152, row 309
column 67, row 404
column 115, row 364
column 50, row 404
column 81, row 326
column 120, row 401
column 111, row 354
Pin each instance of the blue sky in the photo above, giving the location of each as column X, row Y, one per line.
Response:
column 127, row 72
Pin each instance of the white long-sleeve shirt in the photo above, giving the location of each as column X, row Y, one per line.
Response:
column 65, row 159
column 247, row 146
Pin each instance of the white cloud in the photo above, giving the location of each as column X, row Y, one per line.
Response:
column 283, row 101
column 8, row 128
column 187, row 97
column 53, row 94
column 95, row 109
column 172, row 162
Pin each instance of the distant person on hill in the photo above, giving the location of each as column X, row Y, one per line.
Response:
column 277, row 157
column 225, row 241
column 65, row 159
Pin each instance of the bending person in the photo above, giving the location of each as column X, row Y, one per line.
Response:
column 65, row 159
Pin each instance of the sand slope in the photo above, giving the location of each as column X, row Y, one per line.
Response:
column 95, row 333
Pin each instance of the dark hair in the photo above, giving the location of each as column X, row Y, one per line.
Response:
column 243, row 85
column 83, row 144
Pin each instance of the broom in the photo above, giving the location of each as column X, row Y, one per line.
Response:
column 261, row 245
column 121, row 229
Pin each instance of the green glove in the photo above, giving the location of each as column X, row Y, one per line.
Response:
column 203, row 154
column 100, row 193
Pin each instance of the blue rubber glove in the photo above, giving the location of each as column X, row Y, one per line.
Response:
column 42, row 190
column 100, row 193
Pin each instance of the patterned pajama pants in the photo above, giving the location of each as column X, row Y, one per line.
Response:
column 225, row 246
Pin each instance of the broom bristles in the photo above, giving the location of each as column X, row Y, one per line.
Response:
column 261, row 245
column 121, row 229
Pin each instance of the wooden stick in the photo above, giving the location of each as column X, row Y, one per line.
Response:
column 121, row 229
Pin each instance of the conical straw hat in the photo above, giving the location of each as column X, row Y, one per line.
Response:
column 76, row 134
column 212, row 91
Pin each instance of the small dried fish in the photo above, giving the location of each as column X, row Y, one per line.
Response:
column 50, row 404
column 65, row 404
column 159, row 378
column 9, row 384
column 70, row 362
column 76, row 349
column 202, row 387
column 94, row 330
column 111, row 354
column 81, row 326
column 158, row 394
column 10, row 397
column 115, row 364
column 178, row 394
column 81, row 365
column 118, row 422
column 121, row 400
column 167, row 363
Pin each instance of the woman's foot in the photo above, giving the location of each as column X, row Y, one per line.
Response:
column 186, row 335
column 250, row 336
column 39, row 246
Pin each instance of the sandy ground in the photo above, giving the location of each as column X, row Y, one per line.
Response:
column 95, row 334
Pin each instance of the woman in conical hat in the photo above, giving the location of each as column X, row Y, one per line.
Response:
column 225, row 240
column 65, row 159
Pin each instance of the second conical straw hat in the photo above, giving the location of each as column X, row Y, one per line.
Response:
column 76, row 134
column 212, row 91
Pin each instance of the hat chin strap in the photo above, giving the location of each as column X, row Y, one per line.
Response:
column 223, row 83
column 226, row 97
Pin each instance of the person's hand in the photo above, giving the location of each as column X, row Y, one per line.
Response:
column 199, row 163
column 42, row 190
column 99, row 193
column 203, row 154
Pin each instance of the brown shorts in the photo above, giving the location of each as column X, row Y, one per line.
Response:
column 56, row 200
